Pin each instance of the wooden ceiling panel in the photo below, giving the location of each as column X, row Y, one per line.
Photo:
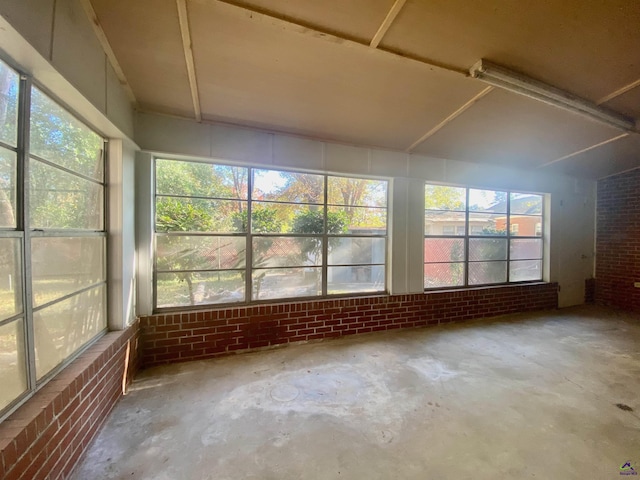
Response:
column 145, row 37
column 627, row 103
column 355, row 19
column 588, row 48
column 509, row 129
column 255, row 70
column 615, row 157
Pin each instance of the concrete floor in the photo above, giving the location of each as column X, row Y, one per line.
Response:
column 522, row 396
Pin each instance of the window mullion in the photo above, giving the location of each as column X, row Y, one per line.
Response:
column 466, row 239
column 325, row 239
column 248, row 285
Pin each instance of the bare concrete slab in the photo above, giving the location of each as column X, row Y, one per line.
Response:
column 553, row 395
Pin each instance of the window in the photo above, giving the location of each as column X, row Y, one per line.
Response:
column 503, row 244
column 229, row 234
column 52, row 237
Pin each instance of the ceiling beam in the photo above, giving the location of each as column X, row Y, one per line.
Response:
column 183, row 18
column 106, row 46
column 619, row 92
column 450, row 118
column 584, row 150
column 386, row 23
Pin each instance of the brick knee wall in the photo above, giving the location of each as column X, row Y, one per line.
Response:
column 618, row 241
column 45, row 437
column 175, row 337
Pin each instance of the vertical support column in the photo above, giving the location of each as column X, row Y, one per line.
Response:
column 144, row 231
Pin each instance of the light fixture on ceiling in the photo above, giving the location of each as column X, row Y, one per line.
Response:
column 521, row 84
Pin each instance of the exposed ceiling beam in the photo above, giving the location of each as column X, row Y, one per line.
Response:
column 183, row 18
column 106, row 46
column 619, row 92
column 386, row 23
column 584, row 150
column 295, row 25
column 450, row 118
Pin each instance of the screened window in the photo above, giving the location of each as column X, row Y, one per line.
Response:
column 52, row 236
column 234, row 234
column 503, row 243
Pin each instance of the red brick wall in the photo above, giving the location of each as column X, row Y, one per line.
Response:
column 174, row 337
column 47, row 435
column 618, row 241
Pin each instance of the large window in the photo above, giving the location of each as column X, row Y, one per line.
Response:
column 229, row 234
column 481, row 237
column 52, row 237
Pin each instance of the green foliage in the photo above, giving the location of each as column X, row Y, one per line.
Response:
column 178, row 215
column 438, row 197
column 264, row 219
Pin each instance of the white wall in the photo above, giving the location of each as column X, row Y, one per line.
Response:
column 570, row 219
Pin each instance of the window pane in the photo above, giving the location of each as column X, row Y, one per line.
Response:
column 269, row 252
column 13, row 372
column 355, row 279
column 63, row 328
column 348, row 251
column 443, row 274
column 289, row 187
column 487, row 272
column 286, row 283
column 357, row 192
column 525, row 248
column 10, row 277
column 526, row 226
column 286, row 217
column 523, row 270
column 438, row 197
column 9, row 86
column 57, row 136
column 7, row 185
column 199, row 288
column 443, row 250
column 439, row 222
column 61, row 200
column 357, row 220
column 197, row 215
column 200, row 253
column 487, row 249
column 197, row 179
column 526, row 204
column 487, row 201
column 63, row 265
column 487, row 224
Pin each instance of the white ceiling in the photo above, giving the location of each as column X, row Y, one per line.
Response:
column 391, row 74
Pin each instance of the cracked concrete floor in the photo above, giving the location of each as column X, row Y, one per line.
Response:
column 520, row 396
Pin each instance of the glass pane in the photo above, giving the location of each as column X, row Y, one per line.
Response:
column 523, row 270
column 443, row 222
column 487, row 224
column 61, row 200
column 525, row 248
column 269, row 252
column 290, row 187
column 57, row 136
column 487, row 249
column 197, row 179
column 349, row 250
column 197, row 215
column 7, row 185
column 357, row 220
column 200, row 253
column 10, row 277
column 355, row 279
column 526, row 226
column 13, row 372
column 443, row 275
column 487, row 201
column 199, row 288
column 63, row 328
column 286, row 217
column 526, row 204
column 63, row 265
column 443, row 250
column 286, row 282
column 487, row 272
column 438, row 197
column 9, row 86
column 357, row 192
